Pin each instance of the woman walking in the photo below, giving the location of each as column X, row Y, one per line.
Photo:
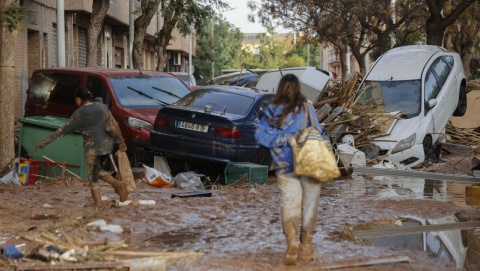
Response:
column 100, row 131
column 299, row 195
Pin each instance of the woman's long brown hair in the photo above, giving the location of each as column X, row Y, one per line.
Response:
column 289, row 95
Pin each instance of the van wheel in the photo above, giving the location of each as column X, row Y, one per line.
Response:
column 462, row 103
column 428, row 150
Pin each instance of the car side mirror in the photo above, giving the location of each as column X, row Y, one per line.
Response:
column 432, row 103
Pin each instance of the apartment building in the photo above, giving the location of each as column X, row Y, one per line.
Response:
column 37, row 41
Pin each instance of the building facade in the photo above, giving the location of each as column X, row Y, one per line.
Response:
column 331, row 61
column 37, row 41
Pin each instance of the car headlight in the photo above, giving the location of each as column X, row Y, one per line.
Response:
column 138, row 123
column 404, row 144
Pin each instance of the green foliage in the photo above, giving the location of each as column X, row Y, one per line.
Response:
column 224, row 49
column 294, row 61
column 266, row 54
column 306, row 50
column 13, row 16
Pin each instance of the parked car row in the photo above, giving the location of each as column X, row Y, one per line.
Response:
column 158, row 112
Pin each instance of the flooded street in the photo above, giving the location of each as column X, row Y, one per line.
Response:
column 364, row 222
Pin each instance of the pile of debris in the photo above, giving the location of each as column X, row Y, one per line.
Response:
column 341, row 116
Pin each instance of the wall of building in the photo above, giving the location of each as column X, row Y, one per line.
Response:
column 37, row 41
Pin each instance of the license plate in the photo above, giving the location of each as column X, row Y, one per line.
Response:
column 193, row 126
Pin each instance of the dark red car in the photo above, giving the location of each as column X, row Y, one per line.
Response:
column 133, row 96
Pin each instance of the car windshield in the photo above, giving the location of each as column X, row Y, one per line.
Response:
column 185, row 78
column 148, row 91
column 392, row 96
column 231, row 103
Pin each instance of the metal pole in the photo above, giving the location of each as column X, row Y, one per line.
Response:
column 308, row 54
column 131, row 30
column 60, row 33
column 213, row 60
column 190, row 51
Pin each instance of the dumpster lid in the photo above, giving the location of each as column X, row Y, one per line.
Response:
column 45, row 121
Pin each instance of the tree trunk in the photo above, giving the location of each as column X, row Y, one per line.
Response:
column 164, row 37
column 438, row 21
column 343, row 60
column 8, row 40
column 359, row 57
column 99, row 10
column 434, row 33
column 467, row 56
column 141, row 24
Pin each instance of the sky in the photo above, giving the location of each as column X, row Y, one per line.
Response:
column 238, row 17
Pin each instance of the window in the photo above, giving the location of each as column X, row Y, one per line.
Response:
column 263, row 107
column 432, row 88
column 98, row 89
column 449, row 60
column 391, row 96
column 441, row 70
column 56, row 87
column 436, row 76
column 230, row 103
column 146, row 91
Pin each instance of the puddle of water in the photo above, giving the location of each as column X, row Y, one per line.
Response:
column 456, row 246
column 171, row 240
column 394, row 186
column 449, row 247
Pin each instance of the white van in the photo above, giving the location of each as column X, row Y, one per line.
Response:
column 425, row 85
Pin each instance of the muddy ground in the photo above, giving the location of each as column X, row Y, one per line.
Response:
column 237, row 228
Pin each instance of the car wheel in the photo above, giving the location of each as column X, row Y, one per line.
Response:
column 263, row 158
column 428, row 150
column 462, row 103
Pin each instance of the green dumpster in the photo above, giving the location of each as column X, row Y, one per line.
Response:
column 68, row 149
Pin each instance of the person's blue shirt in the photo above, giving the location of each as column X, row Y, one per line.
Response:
column 277, row 139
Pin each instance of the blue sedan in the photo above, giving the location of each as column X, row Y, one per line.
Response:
column 213, row 124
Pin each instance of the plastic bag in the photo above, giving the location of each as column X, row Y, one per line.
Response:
column 157, row 178
column 188, row 180
column 125, row 173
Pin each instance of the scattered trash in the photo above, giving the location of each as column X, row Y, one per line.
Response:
column 350, row 155
column 44, row 217
column 10, row 252
column 135, row 202
column 119, row 203
column 145, row 202
column 125, row 173
column 97, row 223
column 51, row 252
column 103, row 226
column 111, row 228
column 11, row 178
column 192, row 194
column 156, row 178
column 189, row 180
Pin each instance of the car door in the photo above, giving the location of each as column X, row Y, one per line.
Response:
column 436, row 88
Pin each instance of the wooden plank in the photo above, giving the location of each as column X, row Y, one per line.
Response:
column 74, row 266
column 333, row 115
column 415, row 229
column 380, row 261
